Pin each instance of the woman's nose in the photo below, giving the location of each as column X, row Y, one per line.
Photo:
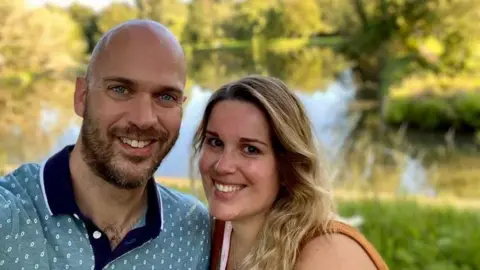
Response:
column 226, row 164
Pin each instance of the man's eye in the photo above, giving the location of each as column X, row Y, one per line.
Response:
column 120, row 90
column 168, row 100
column 167, row 97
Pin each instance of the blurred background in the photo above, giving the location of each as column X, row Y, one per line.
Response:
column 392, row 88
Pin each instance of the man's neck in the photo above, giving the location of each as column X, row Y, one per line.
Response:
column 112, row 209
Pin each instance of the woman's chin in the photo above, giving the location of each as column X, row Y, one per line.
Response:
column 223, row 213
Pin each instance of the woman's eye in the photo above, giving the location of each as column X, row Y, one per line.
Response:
column 214, row 142
column 251, row 150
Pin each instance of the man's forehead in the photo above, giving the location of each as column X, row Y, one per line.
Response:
column 147, row 47
column 141, row 46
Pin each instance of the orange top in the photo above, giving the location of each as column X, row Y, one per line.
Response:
column 337, row 226
column 347, row 230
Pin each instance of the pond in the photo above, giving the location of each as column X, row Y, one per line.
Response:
column 408, row 162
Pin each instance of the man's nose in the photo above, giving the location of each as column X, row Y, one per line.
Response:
column 226, row 163
column 142, row 112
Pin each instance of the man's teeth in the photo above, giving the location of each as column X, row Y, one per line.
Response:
column 227, row 188
column 135, row 143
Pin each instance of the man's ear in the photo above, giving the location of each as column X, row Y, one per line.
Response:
column 80, row 96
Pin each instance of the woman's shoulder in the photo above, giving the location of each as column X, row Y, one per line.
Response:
column 343, row 247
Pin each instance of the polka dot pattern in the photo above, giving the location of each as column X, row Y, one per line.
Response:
column 30, row 238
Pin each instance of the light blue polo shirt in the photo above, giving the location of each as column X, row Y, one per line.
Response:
column 41, row 226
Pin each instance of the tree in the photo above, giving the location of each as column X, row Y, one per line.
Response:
column 201, row 22
column 86, row 17
column 40, row 51
column 115, row 14
column 293, row 19
column 249, row 19
column 171, row 13
column 390, row 39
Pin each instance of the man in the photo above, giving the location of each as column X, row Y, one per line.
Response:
column 95, row 205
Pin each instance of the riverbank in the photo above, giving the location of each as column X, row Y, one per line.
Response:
column 185, row 185
column 414, row 236
column 410, row 232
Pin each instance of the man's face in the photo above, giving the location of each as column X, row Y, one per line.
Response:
column 131, row 109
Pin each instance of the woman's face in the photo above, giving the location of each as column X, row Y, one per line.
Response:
column 237, row 162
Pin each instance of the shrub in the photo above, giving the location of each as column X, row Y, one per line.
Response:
column 435, row 112
column 468, row 109
column 397, row 111
column 431, row 114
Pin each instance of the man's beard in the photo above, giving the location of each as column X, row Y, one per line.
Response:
column 99, row 155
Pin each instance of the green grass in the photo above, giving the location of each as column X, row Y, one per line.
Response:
column 413, row 236
column 423, row 234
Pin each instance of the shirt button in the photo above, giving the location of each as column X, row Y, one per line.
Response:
column 76, row 216
column 97, row 234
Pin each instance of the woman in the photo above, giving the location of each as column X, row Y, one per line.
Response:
column 270, row 199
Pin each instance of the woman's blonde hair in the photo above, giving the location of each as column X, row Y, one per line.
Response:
column 304, row 205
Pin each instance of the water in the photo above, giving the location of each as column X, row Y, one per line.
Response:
column 312, row 72
column 327, row 109
column 329, row 113
column 414, row 179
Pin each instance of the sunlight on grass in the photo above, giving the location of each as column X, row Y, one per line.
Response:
column 185, row 185
column 414, row 233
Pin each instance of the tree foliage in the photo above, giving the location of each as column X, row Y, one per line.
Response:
column 87, row 18
column 115, row 14
column 172, row 13
column 40, row 51
column 388, row 42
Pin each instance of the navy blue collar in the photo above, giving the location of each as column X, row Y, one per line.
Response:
column 56, row 182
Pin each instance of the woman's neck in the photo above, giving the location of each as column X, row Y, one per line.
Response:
column 243, row 238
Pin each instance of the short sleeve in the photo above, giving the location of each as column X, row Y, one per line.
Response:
column 204, row 261
column 8, row 220
column 15, row 213
column 205, row 222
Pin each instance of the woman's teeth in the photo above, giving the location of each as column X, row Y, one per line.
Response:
column 227, row 188
column 135, row 143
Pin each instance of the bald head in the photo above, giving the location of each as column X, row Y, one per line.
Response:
column 144, row 35
column 133, row 93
